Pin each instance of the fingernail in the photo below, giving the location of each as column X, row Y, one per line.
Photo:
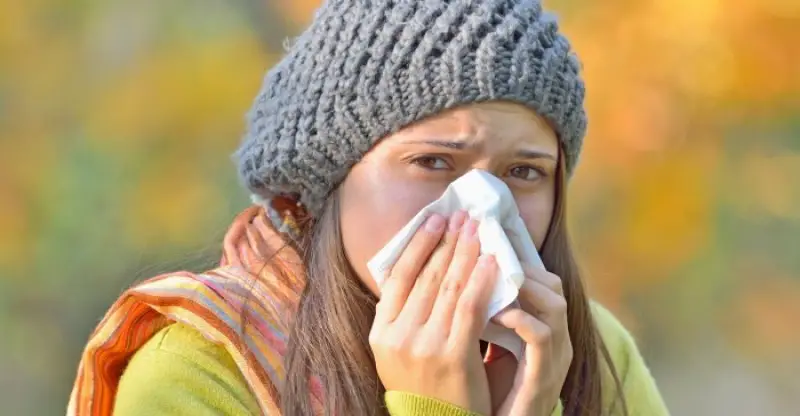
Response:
column 457, row 221
column 486, row 260
column 435, row 223
column 470, row 229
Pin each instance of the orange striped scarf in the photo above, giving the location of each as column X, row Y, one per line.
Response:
column 214, row 303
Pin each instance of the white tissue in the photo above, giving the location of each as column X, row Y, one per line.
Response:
column 501, row 232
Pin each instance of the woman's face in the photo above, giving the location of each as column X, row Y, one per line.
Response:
column 408, row 170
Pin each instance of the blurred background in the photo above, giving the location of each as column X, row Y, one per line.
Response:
column 117, row 119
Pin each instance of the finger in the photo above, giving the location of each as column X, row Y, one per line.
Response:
column 400, row 280
column 542, row 302
column 470, row 312
column 464, row 259
column 546, row 278
column 255, row 239
column 420, row 301
column 531, row 330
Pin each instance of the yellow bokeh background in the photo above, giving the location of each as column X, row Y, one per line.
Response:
column 117, row 121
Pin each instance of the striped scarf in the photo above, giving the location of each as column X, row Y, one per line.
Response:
column 245, row 305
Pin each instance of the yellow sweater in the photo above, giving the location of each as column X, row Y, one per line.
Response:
column 179, row 372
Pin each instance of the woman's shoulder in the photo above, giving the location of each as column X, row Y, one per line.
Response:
column 178, row 368
column 617, row 338
column 638, row 386
column 183, row 341
column 619, row 342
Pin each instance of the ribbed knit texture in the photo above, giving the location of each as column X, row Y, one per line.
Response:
column 401, row 403
column 365, row 69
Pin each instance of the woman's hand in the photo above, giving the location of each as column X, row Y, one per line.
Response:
column 431, row 314
column 532, row 386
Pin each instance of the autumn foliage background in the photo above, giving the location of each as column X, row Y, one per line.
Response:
column 117, row 119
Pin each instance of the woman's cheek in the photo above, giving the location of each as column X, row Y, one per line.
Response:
column 374, row 209
column 537, row 213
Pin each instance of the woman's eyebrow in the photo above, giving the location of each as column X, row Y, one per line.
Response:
column 535, row 154
column 463, row 145
column 450, row 144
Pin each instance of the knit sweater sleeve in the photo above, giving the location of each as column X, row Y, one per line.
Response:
column 178, row 372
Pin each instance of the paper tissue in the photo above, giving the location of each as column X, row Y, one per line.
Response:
column 501, row 232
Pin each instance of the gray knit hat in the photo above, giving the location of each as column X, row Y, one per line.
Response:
column 366, row 68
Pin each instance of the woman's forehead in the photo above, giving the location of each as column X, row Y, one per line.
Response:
column 501, row 124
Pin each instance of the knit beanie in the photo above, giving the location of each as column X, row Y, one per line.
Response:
column 364, row 69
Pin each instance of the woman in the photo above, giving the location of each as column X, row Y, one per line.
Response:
column 375, row 109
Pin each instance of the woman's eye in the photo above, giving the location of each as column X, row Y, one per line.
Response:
column 431, row 162
column 527, row 173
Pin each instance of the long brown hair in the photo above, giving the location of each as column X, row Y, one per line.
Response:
column 329, row 335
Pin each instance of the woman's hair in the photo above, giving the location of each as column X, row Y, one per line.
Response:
column 329, row 334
